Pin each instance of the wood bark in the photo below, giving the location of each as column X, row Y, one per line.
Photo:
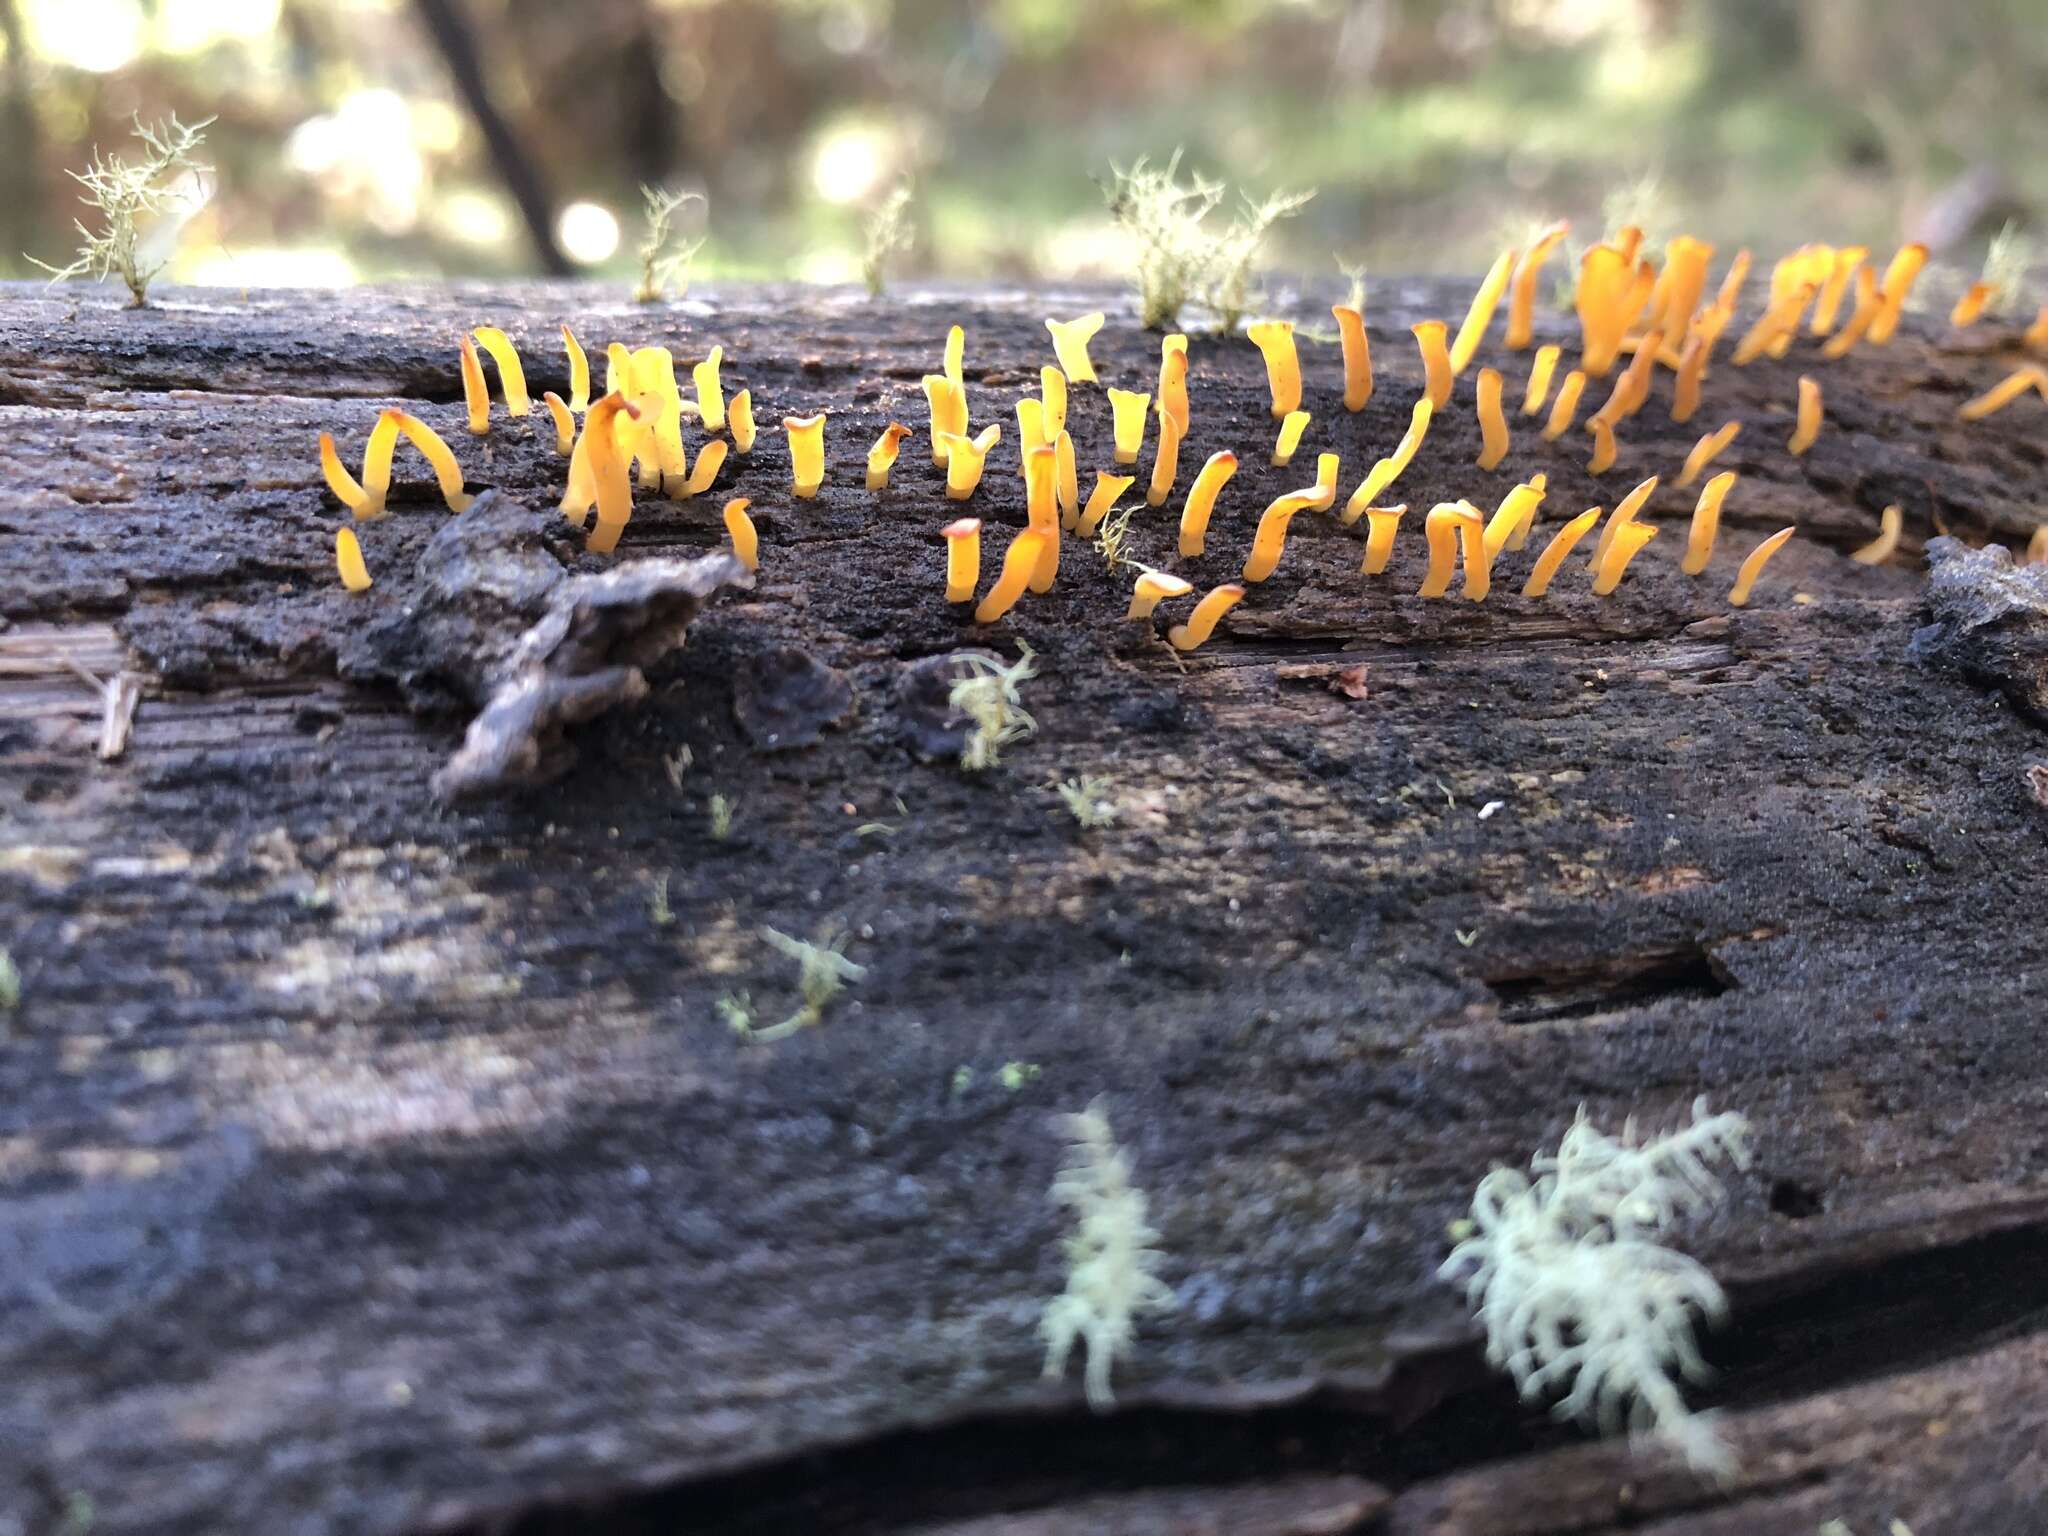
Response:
column 372, row 1165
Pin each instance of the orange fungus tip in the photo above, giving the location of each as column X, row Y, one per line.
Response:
column 739, row 527
column 1381, row 525
column 511, row 373
column 963, row 558
column 579, row 372
column 1102, row 500
column 475, row 396
column 1357, row 356
column 1152, row 588
column 948, row 402
column 882, row 457
column 1890, row 524
column 1480, row 315
column 1753, row 567
column 1275, row 341
column 1202, row 622
column 1194, row 514
column 348, row 558
column 1706, row 523
column 1436, row 362
column 1999, row 395
column 1019, row 561
column 1493, row 425
column 739, row 415
column 564, row 420
column 1271, row 538
column 1554, row 553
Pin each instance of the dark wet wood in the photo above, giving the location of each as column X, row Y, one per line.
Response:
column 371, row 1166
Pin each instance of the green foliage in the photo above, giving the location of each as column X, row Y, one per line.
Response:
column 662, row 259
column 888, row 231
column 1181, row 257
column 126, row 192
column 2006, row 263
column 990, row 701
column 823, row 972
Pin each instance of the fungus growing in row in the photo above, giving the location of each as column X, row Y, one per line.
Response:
column 1202, row 622
column 2005, row 391
column 1493, row 426
column 1970, row 307
column 1624, row 514
column 1567, row 406
column 1753, row 567
column 1150, row 589
column 1706, row 523
column 1165, row 461
column 1480, row 315
column 1808, row 428
column 1540, row 371
column 882, row 457
column 365, row 503
column 739, row 415
column 511, row 373
column 1444, row 528
column 1102, row 500
column 710, row 391
column 709, row 461
column 1031, row 425
column 806, row 453
column 953, row 360
column 1271, row 537
column 1042, row 513
column 1173, row 380
column 1898, row 282
column 948, row 402
column 1357, row 356
column 1554, row 553
column 604, row 471
column 1326, row 480
column 1629, row 540
column 1052, row 388
column 1194, row 515
column 1692, row 366
column 439, row 456
column 1705, row 451
column 1275, row 341
column 1381, row 525
column 1868, row 302
column 1290, row 437
column 1388, row 470
column 1604, row 449
column 965, row 458
column 1781, row 319
column 746, row 543
column 1070, row 340
column 1633, row 387
column 1800, row 275
column 1890, row 524
column 1066, row 480
column 348, row 559
column 1436, row 362
column 474, row 395
column 1019, row 561
column 1510, row 524
column 579, row 372
column 1848, row 261
column 565, row 422
column 1522, row 301
column 963, row 558
column 1127, row 409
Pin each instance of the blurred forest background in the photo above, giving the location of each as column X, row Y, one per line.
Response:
column 360, row 139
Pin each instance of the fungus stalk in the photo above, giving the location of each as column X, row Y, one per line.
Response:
column 348, row 559
column 882, row 457
column 1102, row 500
column 1165, row 461
column 1443, row 528
column 1522, row 301
column 952, row 361
column 1624, row 515
column 1868, row 302
column 1566, row 407
column 439, row 456
column 1705, row 451
column 709, row 462
column 965, row 457
column 1031, row 425
column 579, row 372
column 1848, row 260
column 1290, row 438
column 1554, row 553
column 1753, row 567
column 1127, row 409
column 474, row 393
column 1019, row 561
column 1381, row 525
column 1202, row 621
column 564, row 420
column 1388, row 470
column 511, row 373
column 963, row 558
column 1970, row 307
column 1438, row 374
column 1070, row 340
column 1706, row 523
column 1604, row 449
column 1692, row 366
column 1516, row 515
column 1808, row 428
column 1271, row 537
column 1493, row 426
column 1890, row 523
column 1540, row 371
column 1052, row 389
column 1480, row 315
column 948, row 402
column 1357, row 356
column 746, row 542
column 1152, row 588
column 739, row 415
column 1275, row 341
column 1041, row 509
column 1898, row 282
column 1629, row 540
column 1194, row 514
column 2005, row 391
column 1067, row 480
column 806, row 453
column 605, row 468
column 1326, row 480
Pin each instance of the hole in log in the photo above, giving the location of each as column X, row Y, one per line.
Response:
column 1791, row 1198
column 1605, row 985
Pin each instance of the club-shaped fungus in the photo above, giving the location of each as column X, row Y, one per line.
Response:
column 604, row 469
column 882, row 457
column 806, row 453
column 1067, row 480
column 2036, row 335
column 1515, row 516
column 511, row 373
column 1493, row 426
column 1869, row 300
column 1604, row 450
column 1692, row 365
column 963, row 558
column 660, row 448
column 709, row 461
column 1290, row 437
column 1165, row 461
column 474, row 395
column 1152, row 588
column 1326, row 480
column 1633, row 387
column 348, row 559
column 1357, row 356
column 1781, row 319
column 1194, row 514
column 1731, row 282
column 564, row 420
column 1522, row 298
column 1444, row 528
column 1388, row 470
column 1890, row 524
column 1541, row 368
column 1202, row 622
column 1827, row 304
column 1624, row 514
column 1042, row 512
column 1382, row 523
column 1436, row 362
column 1898, row 282
column 1969, row 308
column 965, row 459
column 2003, row 393
column 579, row 372
column 1606, row 280
column 1680, row 286
column 948, row 402
column 1799, row 276
column 1127, row 409
column 1705, row 451
column 1271, row 537
column 739, row 527
column 1629, row 540
column 1561, row 543
column 1480, row 315
column 439, row 456
column 1566, row 406
column 1102, row 500
column 1275, row 341
column 1807, row 430
column 739, row 415
column 1753, row 567
column 1070, row 340
column 1173, row 380
column 1052, row 389
column 1706, row 523
column 953, row 359
column 2037, row 546
column 1019, row 561
column 360, row 501
column 1031, row 425
column 710, row 391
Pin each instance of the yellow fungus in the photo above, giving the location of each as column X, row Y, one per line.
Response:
column 1869, row 300
column 1522, row 300
column 1102, row 500
column 1031, row 425
column 1290, row 437
column 1753, row 567
column 565, row 422
column 1127, row 408
column 1067, row 480
column 1480, row 315
column 1052, row 387
column 806, row 453
column 2036, row 335
column 1685, row 394
column 1848, row 259
column 739, row 415
column 660, row 448
column 1602, row 458
column 1326, row 480
column 1890, row 524
column 1898, row 282
column 1781, row 319
column 1624, row 513
column 511, row 373
column 579, row 372
column 1519, row 535
column 1381, row 525
column 882, row 457
column 377, row 456
column 1019, row 561
column 1705, row 451
column 1516, row 514
column 1388, row 470
column 1808, row 428
column 1194, row 515
column 2037, row 546
column 1202, row 622
column 1070, row 340
column 1999, row 395
column 1796, row 281
column 439, row 456
column 1493, row 426
column 1706, row 523
column 953, row 360
column 1633, row 387
column 1629, row 540
column 1165, row 461
column 1150, row 589
column 1731, row 284
column 1566, row 406
column 963, row 558
column 1601, row 299
column 348, row 558
column 1970, row 307
column 965, row 458
column 1275, row 341
column 710, row 391
column 1680, row 286
column 1554, row 553
column 1540, row 371
column 1443, row 528
column 1173, row 381
column 948, row 402
column 1357, row 356
column 1042, row 512
column 710, row 459
column 474, row 395
column 340, row 481
column 746, row 543
column 1271, row 537
column 1436, row 362
column 605, row 468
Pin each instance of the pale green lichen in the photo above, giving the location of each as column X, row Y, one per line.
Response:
column 126, row 192
column 1087, row 799
column 2007, row 261
column 662, row 260
column 10, row 983
column 1180, row 257
column 988, row 698
column 823, row 972
column 721, row 818
column 887, row 231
